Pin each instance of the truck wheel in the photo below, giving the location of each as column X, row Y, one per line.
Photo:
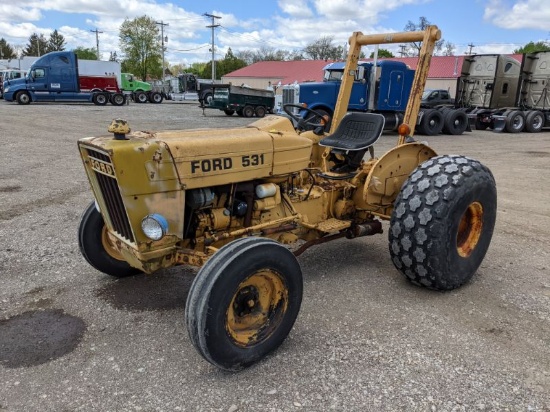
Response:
column 207, row 99
column 141, row 97
column 240, row 113
column 96, row 247
column 156, row 97
column 118, row 99
column 100, row 99
column 534, row 121
column 515, row 121
column 456, row 122
column 229, row 112
column 260, row 111
column 23, row 98
column 248, row 111
column 431, row 123
column 243, row 302
column 443, row 221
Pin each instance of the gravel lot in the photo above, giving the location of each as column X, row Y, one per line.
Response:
column 72, row 339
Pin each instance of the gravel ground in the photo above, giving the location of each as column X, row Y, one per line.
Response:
column 72, row 339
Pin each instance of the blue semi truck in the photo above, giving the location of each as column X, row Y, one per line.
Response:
column 54, row 77
column 392, row 82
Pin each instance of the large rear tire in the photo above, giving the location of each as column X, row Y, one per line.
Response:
column 96, row 248
column 248, row 111
column 156, row 97
column 118, row 99
column 244, row 302
column 443, row 221
column 100, row 99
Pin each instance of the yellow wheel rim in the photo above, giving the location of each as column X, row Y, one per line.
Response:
column 469, row 229
column 257, row 308
column 108, row 245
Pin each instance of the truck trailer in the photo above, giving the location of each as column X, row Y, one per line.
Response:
column 385, row 90
column 503, row 94
column 55, row 77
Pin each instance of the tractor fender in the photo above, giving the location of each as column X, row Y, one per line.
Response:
column 390, row 171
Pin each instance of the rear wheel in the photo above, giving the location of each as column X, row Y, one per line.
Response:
column 443, row 222
column 23, row 98
column 534, row 121
column 96, row 247
column 240, row 113
column 431, row 123
column 456, row 122
column 244, row 302
column 515, row 121
column 118, row 99
column 260, row 111
column 100, row 99
column 229, row 112
column 156, row 97
column 140, row 97
column 248, row 111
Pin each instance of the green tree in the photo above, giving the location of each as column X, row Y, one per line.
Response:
column 414, row 47
column 142, row 48
column 56, row 42
column 86, row 53
column 382, row 53
column 6, row 51
column 229, row 64
column 37, row 46
column 323, row 49
column 532, row 47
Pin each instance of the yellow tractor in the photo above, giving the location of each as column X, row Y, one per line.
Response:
column 242, row 203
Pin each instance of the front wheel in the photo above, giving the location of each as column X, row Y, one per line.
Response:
column 140, row 97
column 443, row 221
column 96, row 247
column 23, row 98
column 244, row 302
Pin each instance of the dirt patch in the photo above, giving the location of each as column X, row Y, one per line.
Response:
column 538, row 154
column 10, row 189
column 36, row 337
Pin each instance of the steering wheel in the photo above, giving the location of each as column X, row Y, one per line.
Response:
column 307, row 120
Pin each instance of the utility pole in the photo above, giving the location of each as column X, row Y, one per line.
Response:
column 402, row 51
column 97, row 32
column 162, row 24
column 471, row 46
column 213, row 26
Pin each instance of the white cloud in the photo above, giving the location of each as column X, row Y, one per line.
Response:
column 522, row 14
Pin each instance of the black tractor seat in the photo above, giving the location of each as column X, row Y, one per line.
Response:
column 349, row 143
column 356, row 131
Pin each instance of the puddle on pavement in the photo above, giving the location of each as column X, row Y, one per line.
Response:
column 166, row 290
column 36, row 337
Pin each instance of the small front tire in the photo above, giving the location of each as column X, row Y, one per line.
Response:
column 244, row 302
column 23, row 98
column 95, row 246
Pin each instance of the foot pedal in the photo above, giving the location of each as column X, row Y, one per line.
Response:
column 332, row 225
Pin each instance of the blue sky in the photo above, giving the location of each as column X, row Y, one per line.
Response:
column 492, row 26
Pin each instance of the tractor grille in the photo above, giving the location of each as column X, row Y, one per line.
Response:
column 111, row 195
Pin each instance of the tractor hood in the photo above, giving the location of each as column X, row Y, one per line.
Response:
column 202, row 158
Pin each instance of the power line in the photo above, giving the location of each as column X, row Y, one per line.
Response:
column 97, row 40
column 162, row 24
column 213, row 26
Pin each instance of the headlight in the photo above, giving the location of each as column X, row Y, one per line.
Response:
column 154, row 226
column 7, row 89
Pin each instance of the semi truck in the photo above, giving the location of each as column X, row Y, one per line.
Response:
column 385, row 90
column 503, row 94
column 9, row 74
column 141, row 92
column 55, row 77
column 190, row 87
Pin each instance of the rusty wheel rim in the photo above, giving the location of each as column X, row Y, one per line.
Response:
column 257, row 308
column 469, row 229
column 108, row 245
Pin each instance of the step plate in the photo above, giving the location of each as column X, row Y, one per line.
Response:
column 332, row 225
